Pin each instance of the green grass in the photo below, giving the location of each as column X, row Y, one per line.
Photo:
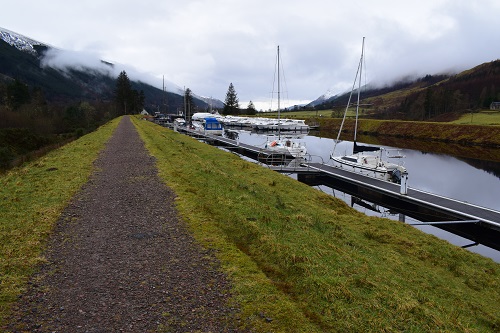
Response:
column 300, row 260
column 296, row 114
column 311, row 263
column 31, row 199
column 480, row 118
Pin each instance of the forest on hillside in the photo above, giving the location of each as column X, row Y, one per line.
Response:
column 29, row 121
column 468, row 91
column 429, row 97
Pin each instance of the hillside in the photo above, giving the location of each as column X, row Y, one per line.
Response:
column 21, row 58
column 429, row 97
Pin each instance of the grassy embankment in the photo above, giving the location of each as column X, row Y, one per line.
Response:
column 312, row 264
column 300, row 260
column 480, row 128
column 482, row 118
column 484, row 135
column 31, row 199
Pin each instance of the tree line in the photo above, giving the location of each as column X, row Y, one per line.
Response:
column 30, row 121
column 231, row 104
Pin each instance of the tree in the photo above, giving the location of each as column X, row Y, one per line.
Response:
column 122, row 93
column 127, row 100
column 428, row 103
column 18, row 94
column 188, row 104
column 231, row 104
column 251, row 108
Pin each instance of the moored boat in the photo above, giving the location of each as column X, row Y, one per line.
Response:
column 207, row 123
column 281, row 143
column 366, row 160
column 287, row 146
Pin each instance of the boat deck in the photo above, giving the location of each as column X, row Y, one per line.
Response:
column 258, row 153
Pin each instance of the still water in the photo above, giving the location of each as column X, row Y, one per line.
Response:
column 473, row 180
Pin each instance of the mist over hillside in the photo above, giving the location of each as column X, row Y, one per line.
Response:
column 426, row 97
column 66, row 75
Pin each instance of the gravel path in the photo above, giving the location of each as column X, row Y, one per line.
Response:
column 121, row 261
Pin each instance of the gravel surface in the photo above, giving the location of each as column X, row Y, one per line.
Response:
column 121, row 261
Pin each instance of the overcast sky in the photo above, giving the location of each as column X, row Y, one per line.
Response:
column 207, row 44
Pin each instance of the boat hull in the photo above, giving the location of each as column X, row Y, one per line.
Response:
column 288, row 147
column 370, row 166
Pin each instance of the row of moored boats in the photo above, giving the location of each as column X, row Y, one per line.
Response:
column 364, row 160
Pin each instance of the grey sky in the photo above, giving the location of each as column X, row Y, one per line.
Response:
column 206, row 44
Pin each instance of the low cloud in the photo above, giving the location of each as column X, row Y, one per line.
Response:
column 64, row 61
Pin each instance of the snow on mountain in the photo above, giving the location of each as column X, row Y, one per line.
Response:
column 64, row 60
column 329, row 94
column 19, row 41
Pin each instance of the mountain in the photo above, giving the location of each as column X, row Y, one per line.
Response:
column 425, row 98
column 329, row 95
column 21, row 42
column 42, row 66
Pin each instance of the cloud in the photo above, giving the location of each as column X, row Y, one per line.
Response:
column 205, row 45
column 65, row 60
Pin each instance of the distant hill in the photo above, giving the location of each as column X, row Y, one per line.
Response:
column 21, row 58
column 426, row 98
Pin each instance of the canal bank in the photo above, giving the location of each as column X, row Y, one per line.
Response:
column 470, row 135
column 282, row 240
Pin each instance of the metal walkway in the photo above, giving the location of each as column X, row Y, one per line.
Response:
column 479, row 224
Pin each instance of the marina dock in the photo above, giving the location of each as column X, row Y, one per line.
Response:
column 479, row 224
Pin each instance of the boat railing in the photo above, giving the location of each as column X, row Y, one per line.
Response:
column 283, row 163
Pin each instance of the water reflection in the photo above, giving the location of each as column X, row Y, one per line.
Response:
column 463, row 178
column 446, row 175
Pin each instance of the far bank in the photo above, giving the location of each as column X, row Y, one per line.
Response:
column 476, row 135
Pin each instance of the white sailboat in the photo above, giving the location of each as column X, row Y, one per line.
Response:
column 285, row 144
column 364, row 160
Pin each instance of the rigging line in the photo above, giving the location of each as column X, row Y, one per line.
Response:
column 359, row 88
column 274, row 82
column 282, row 69
column 347, row 107
column 365, row 71
column 279, row 72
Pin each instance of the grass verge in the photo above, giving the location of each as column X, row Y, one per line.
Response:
column 303, row 261
column 477, row 135
column 31, row 199
column 484, row 118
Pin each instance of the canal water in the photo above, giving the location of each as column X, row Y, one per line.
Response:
column 475, row 180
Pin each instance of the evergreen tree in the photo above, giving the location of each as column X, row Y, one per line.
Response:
column 18, row 94
column 128, row 100
column 123, row 93
column 231, row 104
column 189, row 104
column 251, row 108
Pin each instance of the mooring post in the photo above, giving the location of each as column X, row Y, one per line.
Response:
column 404, row 183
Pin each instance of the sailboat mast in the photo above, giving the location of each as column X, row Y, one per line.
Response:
column 278, row 85
column 358, row 72
column 359, row 88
